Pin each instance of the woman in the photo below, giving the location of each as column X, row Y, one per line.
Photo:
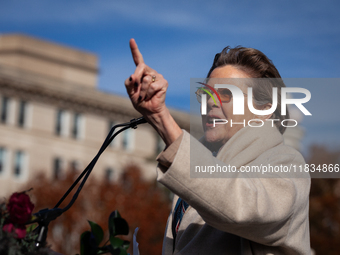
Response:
column 226, row 215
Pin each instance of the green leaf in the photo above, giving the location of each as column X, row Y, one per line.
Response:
column 31, row 228
column 118, row 251
column 111, row 250
column 87, row 244
column 116, row 242
column 117, row 225
column 97, row 232
column 115, row 214
column 126, row 245
column 104, row 249
column 123, row 252
column 2, row 220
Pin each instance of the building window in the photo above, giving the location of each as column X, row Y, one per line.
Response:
column 109, row 174
column 111, row 124
column 57, row 168
column 75, row 166
column 115, row 141
column 128, row 139
column 19, row 163
column 77, row 125
column 4, row 109
column 2, row 159
column 22, row 114
column 60, row 122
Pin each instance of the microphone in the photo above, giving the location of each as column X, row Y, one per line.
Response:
column 45, row 216
column 135, row 122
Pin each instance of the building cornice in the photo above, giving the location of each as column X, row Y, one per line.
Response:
column 35, row 55
column 32, row 87
column 24, row 45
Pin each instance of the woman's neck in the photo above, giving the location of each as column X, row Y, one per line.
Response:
column 213, row 147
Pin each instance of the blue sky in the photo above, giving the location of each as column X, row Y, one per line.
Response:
column 180, row 38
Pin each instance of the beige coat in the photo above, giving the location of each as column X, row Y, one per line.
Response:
column 237, row 215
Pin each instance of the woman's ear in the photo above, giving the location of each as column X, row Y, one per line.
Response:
column 264, row 117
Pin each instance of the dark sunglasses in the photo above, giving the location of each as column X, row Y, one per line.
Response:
column 225, row 94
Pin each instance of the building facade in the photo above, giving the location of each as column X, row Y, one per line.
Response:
column 54, row 119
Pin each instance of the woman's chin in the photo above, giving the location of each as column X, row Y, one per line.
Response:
column 212, row 137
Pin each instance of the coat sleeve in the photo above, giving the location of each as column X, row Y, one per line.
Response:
column 262, row 210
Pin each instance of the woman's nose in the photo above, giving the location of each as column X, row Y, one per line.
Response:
column 213, row 102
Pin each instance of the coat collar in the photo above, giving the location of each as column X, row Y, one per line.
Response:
column 248, row 143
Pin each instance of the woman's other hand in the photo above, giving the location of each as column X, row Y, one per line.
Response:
column 146, row 89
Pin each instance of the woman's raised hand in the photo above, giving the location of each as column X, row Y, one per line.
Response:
column 146, row 89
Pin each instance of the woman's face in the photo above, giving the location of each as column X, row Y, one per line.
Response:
column 221, row 133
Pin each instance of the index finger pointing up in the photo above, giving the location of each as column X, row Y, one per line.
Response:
column 136, row 55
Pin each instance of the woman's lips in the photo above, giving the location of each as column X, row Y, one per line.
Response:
column 210, row 120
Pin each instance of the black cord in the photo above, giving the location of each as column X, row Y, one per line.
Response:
column 90, row 168
column 93, row 162
column 45, row 216
column 132, row 124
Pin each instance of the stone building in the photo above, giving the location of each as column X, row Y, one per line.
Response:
column 53, row 118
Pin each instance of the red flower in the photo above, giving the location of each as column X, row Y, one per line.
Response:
column 20, row 232
column 20, row 208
